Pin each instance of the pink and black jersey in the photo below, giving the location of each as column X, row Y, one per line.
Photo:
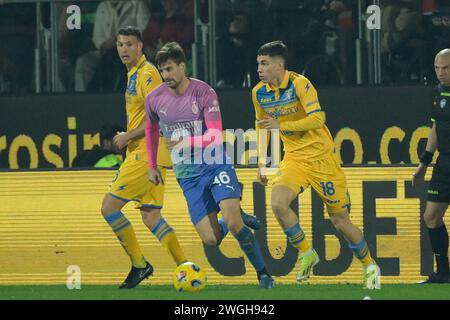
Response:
column 194, row 116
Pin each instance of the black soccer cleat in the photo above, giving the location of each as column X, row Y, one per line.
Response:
column 250, row 221
column 436, row 278
column 136, row 275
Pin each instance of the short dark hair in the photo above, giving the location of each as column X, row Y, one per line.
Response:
column 130, row 31
column 274, row 49
column 170, row 51
column 108, row 131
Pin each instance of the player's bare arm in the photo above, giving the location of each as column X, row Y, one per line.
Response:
column 122, row 138
column 262, row 178
column 262, row 152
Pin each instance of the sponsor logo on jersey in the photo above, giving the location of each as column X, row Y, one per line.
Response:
column 183, row 129
column 214, row 109
column 443, row 103
column 277, row 112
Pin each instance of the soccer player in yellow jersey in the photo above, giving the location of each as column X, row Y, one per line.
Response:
column 287, row 101
column 130, row 182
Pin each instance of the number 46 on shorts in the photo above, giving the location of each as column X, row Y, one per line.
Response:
column 222, row 178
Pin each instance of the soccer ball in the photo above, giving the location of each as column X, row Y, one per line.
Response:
column 189, row 277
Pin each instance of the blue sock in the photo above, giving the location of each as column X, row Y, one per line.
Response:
column 248, row 244
column 223, row 227
column 161, row 229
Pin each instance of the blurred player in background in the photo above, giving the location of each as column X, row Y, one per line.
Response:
column 187, row 109
column 107, row 155
column 439, row 189
column 287, row 101
column 131, row 182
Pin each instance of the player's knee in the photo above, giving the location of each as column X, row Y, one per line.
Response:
column 339, row 222
column 211, row 240
column 151, row 217
column 230, row 206
column 110, row 205
column 106, row 208
column 427, row 219
column 431, row 220
column 235, row 226
column 280, row 209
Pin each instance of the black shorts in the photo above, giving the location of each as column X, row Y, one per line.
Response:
column 439, row 188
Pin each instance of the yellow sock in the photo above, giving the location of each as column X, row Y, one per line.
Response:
column 297, row 238
column 361, row 251
column 367, row 260
column 169, row 240
column 303, row 246
column 125, row 233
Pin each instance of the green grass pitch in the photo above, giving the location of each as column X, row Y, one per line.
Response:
column 230, row 292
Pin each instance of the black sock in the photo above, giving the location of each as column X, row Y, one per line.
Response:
column 439, row 243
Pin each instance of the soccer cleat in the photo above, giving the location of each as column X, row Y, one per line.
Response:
column 307, row 263
column 266, row 282
column 136, row 275
column 436, row 278
column 372, row 277
column 250, row 221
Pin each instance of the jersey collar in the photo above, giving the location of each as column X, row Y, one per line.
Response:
column 138, row 65
column 283, row 84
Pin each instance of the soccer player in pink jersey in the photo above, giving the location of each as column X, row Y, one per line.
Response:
column 187, row 112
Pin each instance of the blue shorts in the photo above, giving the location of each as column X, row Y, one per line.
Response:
column 203, row 193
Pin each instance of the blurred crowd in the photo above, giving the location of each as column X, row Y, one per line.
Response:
column 88, row 61
column 320, row 35
column 321, row 38
column 96, row 67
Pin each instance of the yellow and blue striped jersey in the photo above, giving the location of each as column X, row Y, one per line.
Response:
column 142, row 79
column 295, row 99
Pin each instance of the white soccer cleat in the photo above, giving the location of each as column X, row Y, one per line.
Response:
column 372, row 277
column 307, row 263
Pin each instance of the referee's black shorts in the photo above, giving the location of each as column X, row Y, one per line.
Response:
column 439, row 187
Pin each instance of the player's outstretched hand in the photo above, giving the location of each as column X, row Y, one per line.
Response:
column 155, row 176
column 262, row 179
column 418, row 177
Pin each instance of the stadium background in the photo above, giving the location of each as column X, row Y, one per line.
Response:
column 52, row 216
column 50, row 219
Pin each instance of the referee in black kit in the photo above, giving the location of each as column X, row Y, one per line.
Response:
column 438, row 197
